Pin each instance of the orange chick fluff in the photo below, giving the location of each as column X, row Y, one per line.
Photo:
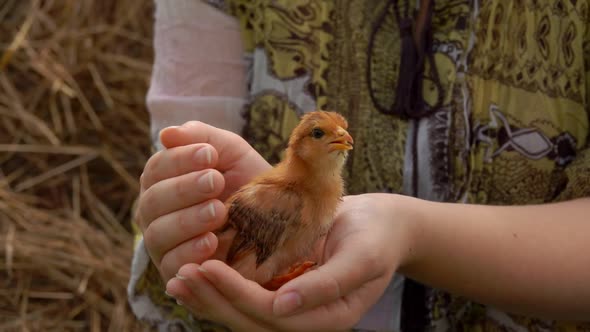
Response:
column 274, row 221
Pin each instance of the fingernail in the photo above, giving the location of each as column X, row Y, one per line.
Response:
column 286, row 304
column 206, row 182
column 179, row 302
column 179, row 277
column 168, row 294
column 207, row 213
column 211, row 209
column 204, row 156
column 167, row 128
column 203, row 243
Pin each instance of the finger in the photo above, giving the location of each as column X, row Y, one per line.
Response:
column 246, row 295
column 176, row 288
column 178, row 193
column 256, row 302
column 237, row 160
column 169, row 230
column 178, row 161
column 194, row 132
column 347, row 270
column 195, row 250
column 208, row 301
column 198, row 132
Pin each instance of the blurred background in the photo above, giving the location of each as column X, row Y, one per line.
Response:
column 74, row 136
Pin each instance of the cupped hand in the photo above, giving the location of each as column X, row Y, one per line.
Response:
column 358, row 259
column 183, row 188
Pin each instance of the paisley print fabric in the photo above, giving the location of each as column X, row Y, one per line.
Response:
column 512, row 124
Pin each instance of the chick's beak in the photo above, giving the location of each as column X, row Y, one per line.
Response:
column 343, row 143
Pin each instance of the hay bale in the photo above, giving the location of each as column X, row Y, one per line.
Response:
column 74, row 136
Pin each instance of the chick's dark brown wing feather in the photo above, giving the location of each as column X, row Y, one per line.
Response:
column 261, row 231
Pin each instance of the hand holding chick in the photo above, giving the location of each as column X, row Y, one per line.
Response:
column 183, row 188
column 356, row 263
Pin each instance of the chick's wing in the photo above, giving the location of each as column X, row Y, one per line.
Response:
column 263, row 216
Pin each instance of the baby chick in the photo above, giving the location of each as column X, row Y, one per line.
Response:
column 277, row 218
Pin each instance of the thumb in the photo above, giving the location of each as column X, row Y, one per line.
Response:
column 347, row 270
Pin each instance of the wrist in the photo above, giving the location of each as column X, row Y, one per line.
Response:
column 406, row 217
column 399, row 217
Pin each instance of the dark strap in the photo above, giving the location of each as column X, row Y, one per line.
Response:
column 414, row 313
column 415, row 50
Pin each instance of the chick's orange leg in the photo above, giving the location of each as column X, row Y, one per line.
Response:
column 295, row 271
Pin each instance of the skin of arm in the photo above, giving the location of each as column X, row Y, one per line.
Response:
column 525, row 259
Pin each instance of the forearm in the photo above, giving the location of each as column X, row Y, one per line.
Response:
column 526, row 259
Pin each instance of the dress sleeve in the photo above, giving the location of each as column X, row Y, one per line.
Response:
column 199, row 73
column 199, row 70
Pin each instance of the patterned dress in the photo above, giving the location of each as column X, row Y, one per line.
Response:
column 504, row 89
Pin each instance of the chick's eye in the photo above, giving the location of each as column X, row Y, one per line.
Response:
column 317, row 133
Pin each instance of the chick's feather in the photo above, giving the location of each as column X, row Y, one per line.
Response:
column 262, row 228
column 275, row 220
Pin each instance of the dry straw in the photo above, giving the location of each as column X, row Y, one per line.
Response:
column 74, row 136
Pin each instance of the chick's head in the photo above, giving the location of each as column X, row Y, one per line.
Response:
column 321, row 139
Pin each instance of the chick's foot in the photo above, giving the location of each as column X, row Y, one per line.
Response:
column 295, row 271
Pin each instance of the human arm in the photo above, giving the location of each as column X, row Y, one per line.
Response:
column 377, row 235
column 524, row 259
